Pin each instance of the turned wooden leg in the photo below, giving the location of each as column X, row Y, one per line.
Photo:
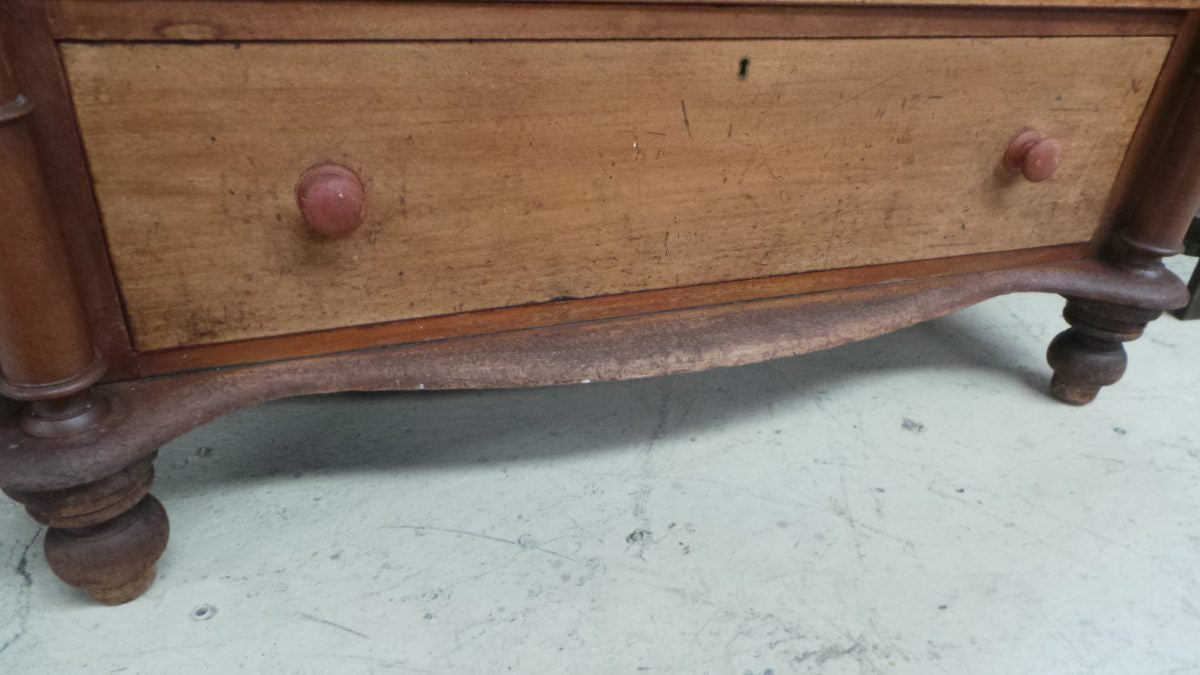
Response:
column 1091, row 353
column 105, row 537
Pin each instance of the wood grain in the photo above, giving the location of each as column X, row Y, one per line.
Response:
column 1153, row 132
column 372, row 20
column 35, row 62
column 587, row 309
column 1160, row 221
column 511, row 173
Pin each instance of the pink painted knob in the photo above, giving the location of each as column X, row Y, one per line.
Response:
column 332, row 200
column 1032, row 156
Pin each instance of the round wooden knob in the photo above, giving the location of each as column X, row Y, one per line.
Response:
column 1032, row 156
column 332, row 200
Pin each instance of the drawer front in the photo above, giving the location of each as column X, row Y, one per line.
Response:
column 508, row 173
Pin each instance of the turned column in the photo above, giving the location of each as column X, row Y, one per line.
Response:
column 46, row 354
column 104, row 536
column 1091, row 354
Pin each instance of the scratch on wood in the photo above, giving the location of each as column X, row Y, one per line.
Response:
column 856, row 96
column 686, row 124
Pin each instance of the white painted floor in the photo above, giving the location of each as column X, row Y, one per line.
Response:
column 912, row 504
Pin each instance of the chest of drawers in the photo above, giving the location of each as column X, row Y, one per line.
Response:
column 213, row 203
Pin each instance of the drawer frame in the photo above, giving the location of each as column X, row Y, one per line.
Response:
column 78, row 454
column 39, row 25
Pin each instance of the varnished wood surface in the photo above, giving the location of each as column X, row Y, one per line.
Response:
column 62, row 167
column 504, row 174
column 148, row 413
column 372, row 20
column 361, row 19
column 1162, row 217
column 44, row 337
column 588, row 309
column 1153, row 132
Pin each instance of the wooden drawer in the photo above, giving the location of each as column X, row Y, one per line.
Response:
column 508, row 173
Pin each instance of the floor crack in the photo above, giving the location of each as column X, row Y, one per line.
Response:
column 23, row 602
column 23, row 563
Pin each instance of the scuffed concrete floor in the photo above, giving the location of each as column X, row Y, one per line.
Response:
column 912, row 504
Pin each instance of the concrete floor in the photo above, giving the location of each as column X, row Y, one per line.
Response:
column 912, row 504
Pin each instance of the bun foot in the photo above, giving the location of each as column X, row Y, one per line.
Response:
column 114, row 561
column 105, row 537
column 1083, row 365
column 130, row 591
column 1075, row 394
column 1090, row 355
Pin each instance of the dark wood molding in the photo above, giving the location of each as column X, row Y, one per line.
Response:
column 240, row 20
column 149, row 413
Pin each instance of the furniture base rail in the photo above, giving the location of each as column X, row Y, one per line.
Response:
column 107, row 531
